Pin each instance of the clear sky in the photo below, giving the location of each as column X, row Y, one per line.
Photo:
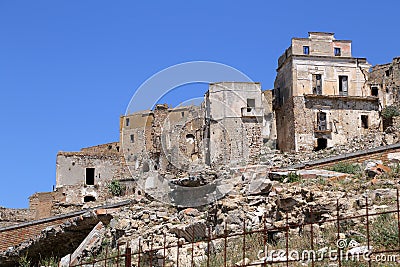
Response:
column 69, row 68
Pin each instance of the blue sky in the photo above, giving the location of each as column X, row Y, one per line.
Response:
column 69, row 68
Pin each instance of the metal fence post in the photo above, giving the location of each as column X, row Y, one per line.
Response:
column 208, row 246
column 244, row 241
column 128, row 257
column 368, row 237
column 338, row 231
column 287, row 239
column 312, row 236
column 165, row 242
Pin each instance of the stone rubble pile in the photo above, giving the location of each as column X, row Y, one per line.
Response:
column 275, row 158
column 254, row 200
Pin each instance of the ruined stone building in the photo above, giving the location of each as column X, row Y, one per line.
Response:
column 239, row 118
column 321, row 94
column 384, row 82
column 163, row 139
column 228, row 128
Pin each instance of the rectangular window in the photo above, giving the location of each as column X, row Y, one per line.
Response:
column 306, row 50
column 374, row 91
column 251, row 103
column 89, row 176
column 337, row 51
column 343, row 85
column 132, row 138
column 127, row 122
column 317, row 84
column 364, row 121
column 321, row 121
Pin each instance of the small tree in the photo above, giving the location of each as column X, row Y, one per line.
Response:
column 116, row 188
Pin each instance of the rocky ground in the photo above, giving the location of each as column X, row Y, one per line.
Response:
column 275, row 158
column 256, row 201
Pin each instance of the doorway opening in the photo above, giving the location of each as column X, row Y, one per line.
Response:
column 322, row 143
column 89, row 177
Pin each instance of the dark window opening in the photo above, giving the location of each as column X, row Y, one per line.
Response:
column 127, row 122
column 183, row 114
column 132, row 137
column 337, row 51
column 251, row 103
column 189, row 137
column 89, row 176
column 387, row 72
column 317, row 82
column 306, row 50
column 89, row 199
column 364, row 121
column 322, row 143
column 146, row 167
column 374, row 91
column 343, row 85
column 321, row 120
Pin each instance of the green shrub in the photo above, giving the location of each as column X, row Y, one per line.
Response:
column 49, row 262
column 291, row 177
column 116, row 188
column 384, row 232
column 390, row 112
column 346, row 168
column 24, row 261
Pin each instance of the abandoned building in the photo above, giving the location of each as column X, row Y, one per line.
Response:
column 321, row 94
column 227, row 128
column 239, row 118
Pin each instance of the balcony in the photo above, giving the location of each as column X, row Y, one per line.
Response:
column 323, row 128
column 252, row 112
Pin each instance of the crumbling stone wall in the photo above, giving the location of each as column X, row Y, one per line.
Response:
column 285, row 126
column 103, row 148
column 385, row 80
column 10, row 217
column 42, row 204
column 235, row 114
column 164, row 139
column 343, row 119
column 268, row 131
column 72, row 170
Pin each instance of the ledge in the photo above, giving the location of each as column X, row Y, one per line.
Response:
column 343, row 97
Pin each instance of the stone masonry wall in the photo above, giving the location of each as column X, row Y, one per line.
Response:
column 343, row 117
column 14, row 216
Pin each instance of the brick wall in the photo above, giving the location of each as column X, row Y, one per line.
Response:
column 13, row 236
